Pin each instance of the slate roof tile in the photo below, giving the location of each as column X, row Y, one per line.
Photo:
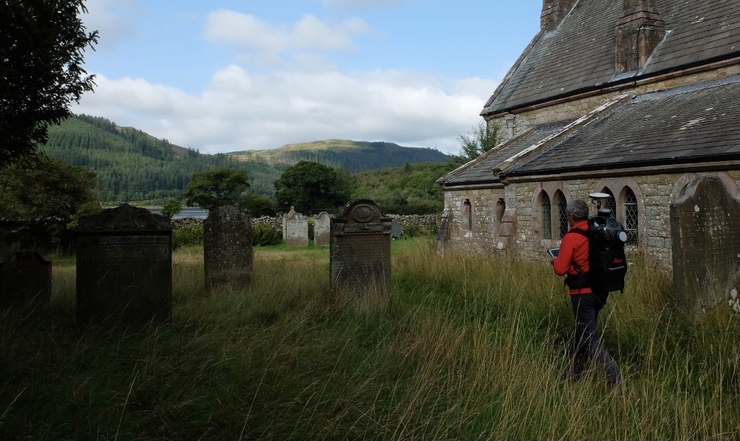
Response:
column 579, row 54
column 684, row 125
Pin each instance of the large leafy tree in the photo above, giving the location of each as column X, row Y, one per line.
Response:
column 46, row 196
column 42, row 43
column 311, row 187
column 480, row 140
column 217, row 187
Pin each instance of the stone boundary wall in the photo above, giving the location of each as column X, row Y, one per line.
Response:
column 425, row 222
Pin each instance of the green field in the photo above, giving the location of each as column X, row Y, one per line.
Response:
column 467, row 348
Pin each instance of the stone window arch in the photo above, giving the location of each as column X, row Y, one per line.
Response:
column 500, row 209
column 611, row 202
column 631, row 218
column 467, row 213
column 562, row 217
column 546, row 212
column 629, row 205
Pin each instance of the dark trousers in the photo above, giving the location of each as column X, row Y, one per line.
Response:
column 587, row 344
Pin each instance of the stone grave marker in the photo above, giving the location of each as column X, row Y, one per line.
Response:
column 360, row 251
column 706, row 243
column 25, row 280
column 396, row 230
column 322, row 230
column 227, row 247
column 295, row 229
column 124, row 267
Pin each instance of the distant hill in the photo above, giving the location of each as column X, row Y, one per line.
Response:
column 354, row 156
column 133, row 166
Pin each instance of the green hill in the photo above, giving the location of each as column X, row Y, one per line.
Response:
column 354, row 156
column 133, row 166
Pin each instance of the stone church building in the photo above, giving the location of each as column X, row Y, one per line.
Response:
column 639, row 99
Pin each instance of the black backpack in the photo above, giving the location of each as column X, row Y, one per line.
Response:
column 606, row 259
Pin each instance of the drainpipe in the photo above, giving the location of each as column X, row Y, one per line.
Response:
column 510, row 125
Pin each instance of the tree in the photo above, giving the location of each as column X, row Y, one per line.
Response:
column 311, row 187
column 479, row 141
column 46, row 196
column 41, row 55
column 172, row 207
column 217, row 187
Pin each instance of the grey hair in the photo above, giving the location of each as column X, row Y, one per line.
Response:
column 578, row 208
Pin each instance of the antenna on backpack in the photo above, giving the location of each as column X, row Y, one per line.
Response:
column 599, row 199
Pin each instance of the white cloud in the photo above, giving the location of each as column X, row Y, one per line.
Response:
column 249, row 32
column 243, row 111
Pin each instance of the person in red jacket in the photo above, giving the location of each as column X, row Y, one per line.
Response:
column 572, row 262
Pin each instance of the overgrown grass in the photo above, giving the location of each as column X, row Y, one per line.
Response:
column 466, row 348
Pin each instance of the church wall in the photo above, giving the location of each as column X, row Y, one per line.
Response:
column 486, row 206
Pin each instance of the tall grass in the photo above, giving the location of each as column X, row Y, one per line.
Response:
column 466, row 348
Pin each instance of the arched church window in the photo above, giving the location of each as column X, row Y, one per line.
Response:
column 610, row 203
column 630, row 216
column 546, row 208
column 468, row 215
column 562, row 214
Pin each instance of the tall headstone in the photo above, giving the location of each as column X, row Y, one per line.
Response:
column 706, row 243
column 124, row 267
column 227, row 247
column 322, row 230
column 360, row 251
column 295, row 229
column 25, row 280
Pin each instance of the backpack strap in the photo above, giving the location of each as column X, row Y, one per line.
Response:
column 580, row 280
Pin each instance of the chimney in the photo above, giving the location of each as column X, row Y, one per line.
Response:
column 553, row 12
column 638, row 33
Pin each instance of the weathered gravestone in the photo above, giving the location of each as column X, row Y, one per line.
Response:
column 124, row 267
column 396, row 230
column 227, row 247
column 295, row 229
column 706, row 243
column 25, row 280
column 322, row 230
column 360, row 251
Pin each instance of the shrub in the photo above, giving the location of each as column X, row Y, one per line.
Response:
column 187, row 235
column 263, row 234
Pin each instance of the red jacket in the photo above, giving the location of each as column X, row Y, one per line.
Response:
column 573, row 248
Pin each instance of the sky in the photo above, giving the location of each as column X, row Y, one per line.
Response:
column 221, row 76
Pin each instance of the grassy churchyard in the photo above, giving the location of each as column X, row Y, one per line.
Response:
column 468, row 348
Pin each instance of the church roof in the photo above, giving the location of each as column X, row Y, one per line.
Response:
column 480, row 170
column 578, row 56
column 687, row 125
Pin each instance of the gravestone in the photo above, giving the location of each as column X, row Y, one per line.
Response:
column 295, row 229
column 360, row 251
column 124, row 267
column 395, row 229
column 705, row 243
column 227, row 247
column 25, row 280
column 322, row 230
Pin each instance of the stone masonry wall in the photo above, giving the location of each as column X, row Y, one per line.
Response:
column 654, row 195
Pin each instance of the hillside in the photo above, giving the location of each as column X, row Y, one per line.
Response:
column 354, row 156
column 133, row 166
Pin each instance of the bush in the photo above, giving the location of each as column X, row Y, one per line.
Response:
column 263, row 234
column 187, row 235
